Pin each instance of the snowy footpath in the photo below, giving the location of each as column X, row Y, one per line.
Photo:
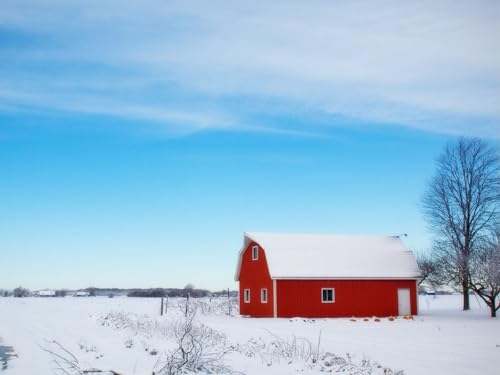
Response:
column 128, row 335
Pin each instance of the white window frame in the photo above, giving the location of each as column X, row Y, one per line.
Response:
column 255, row 252
column 246, row 293
column 263, row 292
column 333, row 295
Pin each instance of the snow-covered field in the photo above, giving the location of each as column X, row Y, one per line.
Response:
column 128, row 336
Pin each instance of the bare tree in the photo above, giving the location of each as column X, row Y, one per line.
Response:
column 430, row 269
column 484, row 278
column 462, row 205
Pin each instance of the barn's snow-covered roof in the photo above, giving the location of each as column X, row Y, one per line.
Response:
column 312, row 256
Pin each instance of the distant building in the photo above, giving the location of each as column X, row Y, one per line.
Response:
column 303, row 275
column 44, row 293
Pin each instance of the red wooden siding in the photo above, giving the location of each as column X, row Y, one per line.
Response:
column 352, row 298
column 254, row 275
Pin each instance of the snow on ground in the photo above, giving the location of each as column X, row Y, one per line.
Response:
column 441, row 340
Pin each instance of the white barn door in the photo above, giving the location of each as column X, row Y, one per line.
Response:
column 404, row 307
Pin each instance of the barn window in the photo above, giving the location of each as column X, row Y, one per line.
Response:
column 255, row 253
column 246, row 295
column 327, row 295
column 263, row 295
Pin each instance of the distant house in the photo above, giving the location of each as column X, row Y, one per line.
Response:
column 305, row 275
column 44, row 293
column 82, row 293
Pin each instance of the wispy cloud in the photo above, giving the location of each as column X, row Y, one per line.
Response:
column 428, row 65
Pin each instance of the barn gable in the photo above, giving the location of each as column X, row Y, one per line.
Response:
column 309, row 256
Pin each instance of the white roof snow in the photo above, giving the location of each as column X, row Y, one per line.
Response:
column 312, row 256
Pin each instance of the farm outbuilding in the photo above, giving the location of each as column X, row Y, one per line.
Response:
column 306, row 275
column 44, row 293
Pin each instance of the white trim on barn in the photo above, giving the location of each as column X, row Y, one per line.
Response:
column 264, row 295
column 247, row 295
column 275, row 299
column 328, row 299
column 255, row 252
column 344, row 278
column 416, row 291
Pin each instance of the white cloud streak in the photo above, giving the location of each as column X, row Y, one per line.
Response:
column 432, row 65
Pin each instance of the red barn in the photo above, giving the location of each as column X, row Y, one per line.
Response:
column 292, row 275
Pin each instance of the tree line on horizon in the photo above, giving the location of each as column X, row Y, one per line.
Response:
column 129, row 292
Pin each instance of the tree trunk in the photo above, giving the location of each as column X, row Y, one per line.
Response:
column 493, row 310
column 465, row 289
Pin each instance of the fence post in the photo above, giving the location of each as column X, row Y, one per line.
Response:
column 228, row 302
column 187, row 303
column 161, row 309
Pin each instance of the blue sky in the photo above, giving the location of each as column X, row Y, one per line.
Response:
column 138, row 141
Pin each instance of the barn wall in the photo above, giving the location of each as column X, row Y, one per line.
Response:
column 352, row 298
column 254, row 275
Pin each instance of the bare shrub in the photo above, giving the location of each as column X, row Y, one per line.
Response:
column 66, row 363
column 198, row 348
column 142, row 326
column 306, row 355
column 213, row 305
column 188, row 346
column 278, row 349
column 84, row 346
